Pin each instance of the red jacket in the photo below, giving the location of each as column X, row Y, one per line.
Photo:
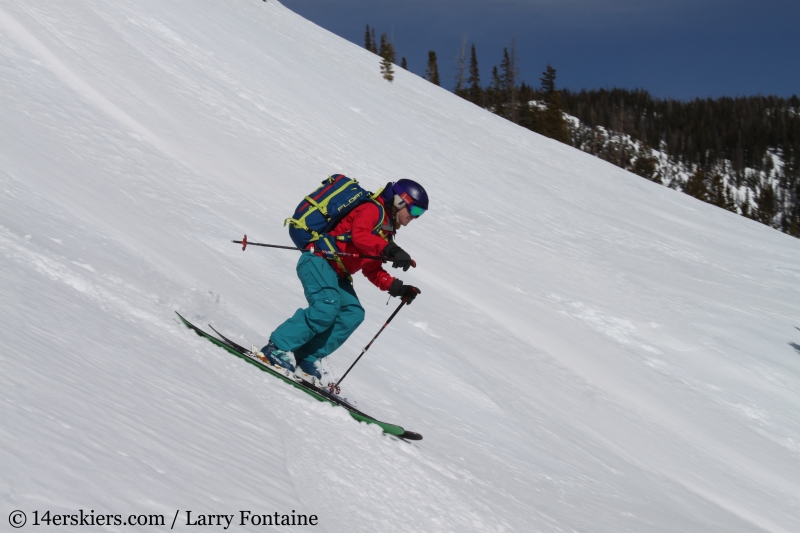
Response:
column 359, row 223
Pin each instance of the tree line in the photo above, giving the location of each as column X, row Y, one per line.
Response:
column 727, row 146
column 505, row 95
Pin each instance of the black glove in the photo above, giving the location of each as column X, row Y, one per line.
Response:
column 399, row 257
column 406, row 292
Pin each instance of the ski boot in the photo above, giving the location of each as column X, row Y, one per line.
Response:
column 307, row 371
column 275, row 357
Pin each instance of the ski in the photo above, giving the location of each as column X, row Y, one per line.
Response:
column 320, row 394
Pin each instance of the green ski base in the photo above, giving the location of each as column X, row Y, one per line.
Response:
column 319, row 394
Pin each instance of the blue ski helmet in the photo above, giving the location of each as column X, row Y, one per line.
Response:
column 411, row 194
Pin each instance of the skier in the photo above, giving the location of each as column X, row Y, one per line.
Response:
column 333, row 311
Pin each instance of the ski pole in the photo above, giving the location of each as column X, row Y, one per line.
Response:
column 335, row 386
column 244, row 242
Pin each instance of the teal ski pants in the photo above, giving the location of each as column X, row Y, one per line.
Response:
column 332, row 315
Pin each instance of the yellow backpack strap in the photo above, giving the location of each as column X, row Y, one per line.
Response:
column 378, row 229
column 336, row 259
column 296, row 223
column 323, row 206
column 312, row 202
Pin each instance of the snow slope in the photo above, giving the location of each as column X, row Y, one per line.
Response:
column 591, row 351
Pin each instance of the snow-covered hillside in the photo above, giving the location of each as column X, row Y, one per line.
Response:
column 591, row 351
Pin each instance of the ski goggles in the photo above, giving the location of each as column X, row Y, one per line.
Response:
column 415, row 210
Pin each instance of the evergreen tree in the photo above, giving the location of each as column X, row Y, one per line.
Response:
column 548, row 80
column 508, row 81
column 368, row 40
column 474, row 80
column 794, row 226
column 696, row 185
column 744, row 206
column 374, row 41
column 506, row 78
column 404, row 63
column 529, row 115
column 719, row 194
column 513, row 75
column 387, row 58
column 432, row 72
column 766, row 203
column 494, row 94
column 554, row 120
column 553, row 123
column 461, row 68
column 645, row 164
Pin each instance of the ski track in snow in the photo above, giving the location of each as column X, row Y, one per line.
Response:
column 590, row 352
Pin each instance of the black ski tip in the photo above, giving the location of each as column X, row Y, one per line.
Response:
column 410, row 435
column 187, row 323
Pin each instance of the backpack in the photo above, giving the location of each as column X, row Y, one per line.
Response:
column 320, row 211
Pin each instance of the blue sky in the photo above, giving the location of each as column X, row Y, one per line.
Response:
column 672, row 48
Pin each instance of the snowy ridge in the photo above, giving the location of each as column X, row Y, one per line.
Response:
column 624, row 151
column 590, row 351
